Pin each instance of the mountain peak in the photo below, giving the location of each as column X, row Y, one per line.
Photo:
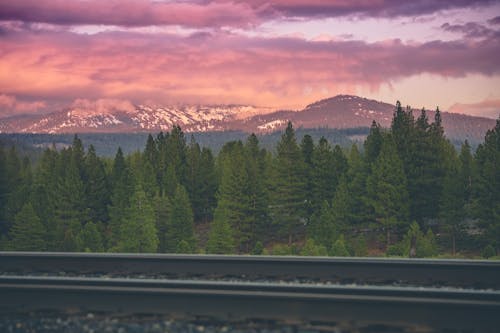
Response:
column 340, row 112
column 340, row 99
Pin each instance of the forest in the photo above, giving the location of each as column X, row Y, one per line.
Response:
column 405, row 190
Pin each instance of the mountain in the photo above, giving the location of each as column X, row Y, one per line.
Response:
column 340, row 112
column 143, row 118
column 346, row 111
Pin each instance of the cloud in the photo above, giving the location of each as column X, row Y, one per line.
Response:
column 100, row 106
column 363, row 8
column 222, row 67
column 130, row 13
column 10, row 105
column 213, row 13
column 494, row 21
column 470, row 30
column 487, row 108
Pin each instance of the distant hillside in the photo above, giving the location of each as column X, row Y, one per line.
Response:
column 339, row 112
column 106, row 144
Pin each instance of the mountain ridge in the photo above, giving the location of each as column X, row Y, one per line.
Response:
column 339, row 112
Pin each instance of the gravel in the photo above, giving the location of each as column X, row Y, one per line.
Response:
column 240, row 279
column 93, row 323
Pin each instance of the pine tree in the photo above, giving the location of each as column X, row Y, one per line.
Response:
column 307, row 148
column 356, row 176
column 220, row 239
column 387, row 189
column 123, row 185
column 257, row 210
column 3, row 192
column 162, row 215
column 487, row 186
column 323, row 228
column 90, row 238
column 208, row 186
column 175, row 149
column 138, row 231
column 233, row 193
column 323, row 175
column 27, row 233
column 288, row 188
column 180, row 227
column 71, row 211
column 97, row 189
column 373, row 143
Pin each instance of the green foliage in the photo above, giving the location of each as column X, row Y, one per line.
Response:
column 137, row 231
column 90, row 238
column 27, row 233
column 288, row 197
column 425, row 245
column 487, row 185
column 339, row 248
column 180, row 223
column 220, row 239
column 258, row 249
column 359, row 246
column 387, row 189
column 488, row 251
column 281, row 250
column 323, row 227
column 312, row 249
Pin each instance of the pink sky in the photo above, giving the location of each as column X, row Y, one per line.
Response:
column 279, row 54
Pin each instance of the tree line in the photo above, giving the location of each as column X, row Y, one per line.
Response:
column 405, row 190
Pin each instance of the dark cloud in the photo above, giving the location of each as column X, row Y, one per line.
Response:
column 383, row 8
column 470, row 30
column 213, row 13
column 494, row 21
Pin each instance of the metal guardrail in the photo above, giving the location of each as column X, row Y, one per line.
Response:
column 462, row 273
column 416, row 307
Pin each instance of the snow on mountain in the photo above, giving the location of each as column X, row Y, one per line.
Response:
column 86, row 117
column 342, row 111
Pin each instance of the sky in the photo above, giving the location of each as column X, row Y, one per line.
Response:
column 277, row 54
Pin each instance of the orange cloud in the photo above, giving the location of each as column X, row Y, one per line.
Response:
column 221, row 67
column 10, row 105
column 487, row 108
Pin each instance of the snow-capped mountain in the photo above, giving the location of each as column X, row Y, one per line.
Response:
column 342, row 111
column 142, row 118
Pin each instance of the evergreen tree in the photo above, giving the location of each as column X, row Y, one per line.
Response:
column 323, row 228
column 356, row 177
column 288, row 195
column 373, row 143
column 3, row 192
column 71, row 211
column 138, row 231
column 307, row 148
column 180, row 227
column 162, row 213
column 90, row 238
column 257, row 210
column 208, row 187
column 123, row 185
column 97, row 189
column 339, row 248
column 220, row 238
column 27, row 233
column 323, row 175
column 233, row 194
column 487, row 186
column 175, row 149
column 387, row 189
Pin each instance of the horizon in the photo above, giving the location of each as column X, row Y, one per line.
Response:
column 281, row 55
